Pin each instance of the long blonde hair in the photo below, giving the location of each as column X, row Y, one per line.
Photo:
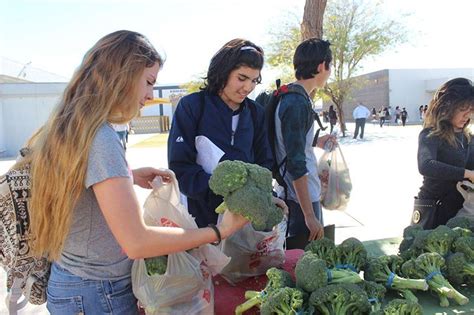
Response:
column 103, row 89
column 454, row 95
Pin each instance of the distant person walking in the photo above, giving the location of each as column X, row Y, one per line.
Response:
column 332, row 117
column 404, row 116
column 374, row 113
column 360, row 114
column 397, row 114
column 383, row 114
column 420, row 110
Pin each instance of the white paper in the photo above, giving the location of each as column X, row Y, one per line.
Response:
column 208, row 154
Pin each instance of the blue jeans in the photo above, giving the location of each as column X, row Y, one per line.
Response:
column 70, row 294
column 297, row 224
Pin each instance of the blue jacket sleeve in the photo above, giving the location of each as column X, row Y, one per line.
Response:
column 428, row 164
column 293, row 117
column 262, row 151
column 193, row 180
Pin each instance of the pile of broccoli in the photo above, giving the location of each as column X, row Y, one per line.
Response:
column 247, row 190
column 443, row 256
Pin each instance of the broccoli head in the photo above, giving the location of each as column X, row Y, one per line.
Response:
column 375, row 293
column 283, row 301
column 431, row 264
column 461, row 222
column 324, row 248
column 438, row 240
column 458, row 268
column 277, row 279
column 247, row 190
column 351, row 254
column 409, row 234
column 465, row 245
column 310, row 272
column 402, row 307
column 227, row 177
column 156, row 265
column 340, row 299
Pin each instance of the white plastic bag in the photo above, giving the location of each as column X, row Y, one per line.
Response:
column 466, row 189
column 336, row 185
column 253, row 252
column 186, row 287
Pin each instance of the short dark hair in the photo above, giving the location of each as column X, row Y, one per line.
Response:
column 234, row 54
column 308, row 55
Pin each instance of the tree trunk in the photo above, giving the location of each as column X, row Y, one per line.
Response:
column 312, row 25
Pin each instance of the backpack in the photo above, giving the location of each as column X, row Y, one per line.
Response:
column 24, row 271
column 270, row 101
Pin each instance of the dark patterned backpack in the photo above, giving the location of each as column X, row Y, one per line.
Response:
column 24, row 271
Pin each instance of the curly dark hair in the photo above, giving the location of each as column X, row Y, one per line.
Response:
column 451, row 97
column 234, row 54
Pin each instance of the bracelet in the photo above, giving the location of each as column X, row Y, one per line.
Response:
column 218, row 233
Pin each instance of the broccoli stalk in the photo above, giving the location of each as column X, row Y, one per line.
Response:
column 277, row 279
column 378, row 270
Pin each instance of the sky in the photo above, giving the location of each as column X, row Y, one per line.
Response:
column 54, row 34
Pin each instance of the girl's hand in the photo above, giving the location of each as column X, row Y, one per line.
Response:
column 145, row 175
column 231, row 223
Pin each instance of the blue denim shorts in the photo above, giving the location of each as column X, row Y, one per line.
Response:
column 70, row 294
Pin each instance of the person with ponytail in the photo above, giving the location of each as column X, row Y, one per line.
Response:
column 85, row 216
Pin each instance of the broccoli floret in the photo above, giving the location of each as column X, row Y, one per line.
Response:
column 409, row 234
column 431, row 264
column 310, row 272
column 228, row 176
column 458, row 269
column 462, row 232
column 381, row 270
column 261, row 176
column 325, row 249
column 284, row 301
column 375, row 293
column 277, row 279
column 402, row 307
column 247, row 190
column 156, row 265
column 351, row 254
column 438, row 240
column 340, row 299
column 461, row 222
column 465, row 245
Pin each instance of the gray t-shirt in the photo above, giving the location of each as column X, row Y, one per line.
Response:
column 90, row 250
